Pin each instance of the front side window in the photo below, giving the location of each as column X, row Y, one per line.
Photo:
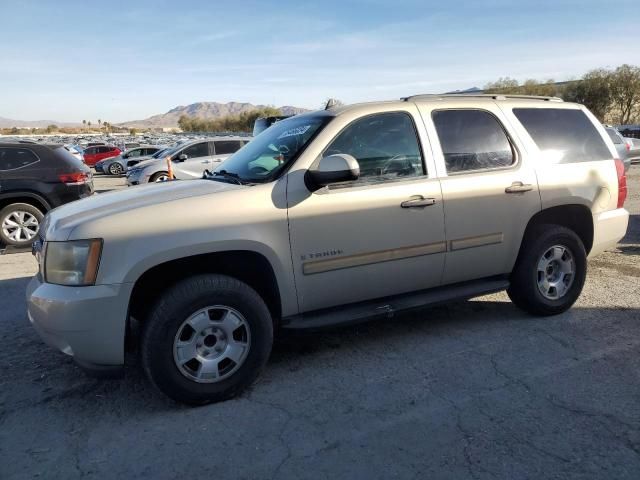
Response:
column 226, row 147
column 563, row 135
column 12, row 158
column 385, row 146
column 197, row 150
column 134, row 153
column 472, row 140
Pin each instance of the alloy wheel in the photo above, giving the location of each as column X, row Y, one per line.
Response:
column 556, row 272
column 212, row 344
column 20, row 226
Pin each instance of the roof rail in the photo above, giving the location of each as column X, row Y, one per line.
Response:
column 494, row 96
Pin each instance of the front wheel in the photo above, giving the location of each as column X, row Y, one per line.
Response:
column 159, row 177
column 207, row 339
column 550, row 272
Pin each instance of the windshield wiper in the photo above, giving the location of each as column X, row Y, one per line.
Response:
column 227, row 175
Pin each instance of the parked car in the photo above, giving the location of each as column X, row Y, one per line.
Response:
column 327, row 218
column 34, row 178
column 118, row 165
column 76, row 151
column 634, row 149
column 622, row 147
column 93, row 155
column 189, row 160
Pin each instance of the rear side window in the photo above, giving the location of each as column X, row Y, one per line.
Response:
column 567, row 136
column 226, row 147
column 12, row 158
column 472, row 140
column 89, row 151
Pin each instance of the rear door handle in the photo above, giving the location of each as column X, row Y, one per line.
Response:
column 519, row 187
column 418, row 202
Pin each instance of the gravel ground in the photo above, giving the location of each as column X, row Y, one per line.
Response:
column 474, row 390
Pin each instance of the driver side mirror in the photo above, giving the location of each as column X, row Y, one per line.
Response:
column 182, row 157
column 336, row 168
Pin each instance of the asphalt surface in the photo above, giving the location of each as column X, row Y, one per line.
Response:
column 472, row 390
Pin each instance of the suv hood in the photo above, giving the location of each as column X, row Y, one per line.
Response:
column 61, row 221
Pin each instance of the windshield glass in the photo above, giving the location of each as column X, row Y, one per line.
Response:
column 264, row 157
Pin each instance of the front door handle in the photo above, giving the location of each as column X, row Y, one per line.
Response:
column 519, row 187
column 418, row 202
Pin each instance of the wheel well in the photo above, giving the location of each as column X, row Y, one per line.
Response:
column 575, row 217
column 29, row 200
column 249, row 267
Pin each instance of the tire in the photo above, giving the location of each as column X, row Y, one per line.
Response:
column 116, row 169
column 158, row 177
column 19, row 233
column 181, row 306
column 534, row 274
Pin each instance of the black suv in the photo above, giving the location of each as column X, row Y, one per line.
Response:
column 35, row 178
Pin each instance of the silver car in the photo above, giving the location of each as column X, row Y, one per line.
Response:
column 118, row 165
column 189, row 160
column 622, row 146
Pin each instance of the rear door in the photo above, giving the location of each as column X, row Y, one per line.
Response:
column 490, row 190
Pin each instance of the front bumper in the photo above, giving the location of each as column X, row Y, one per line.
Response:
column 88, row 323
column 608, row 229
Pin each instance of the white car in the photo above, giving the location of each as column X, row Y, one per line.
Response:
column 189, row 160
column 75, row 150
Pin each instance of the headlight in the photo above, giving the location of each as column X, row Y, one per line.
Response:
column 72, row 263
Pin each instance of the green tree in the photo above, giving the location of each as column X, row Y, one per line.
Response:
column 593, row 91
column 52, row 128
column 503, row 85
column 625, row 92
column 132, row 131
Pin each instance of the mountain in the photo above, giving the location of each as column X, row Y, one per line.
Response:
column 207, row 110
column 9, row 123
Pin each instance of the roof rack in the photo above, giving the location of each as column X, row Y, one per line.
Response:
column 494, row 96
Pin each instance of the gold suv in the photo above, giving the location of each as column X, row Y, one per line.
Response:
column 329, row 217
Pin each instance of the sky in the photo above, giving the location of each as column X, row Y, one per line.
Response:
column 115, row 60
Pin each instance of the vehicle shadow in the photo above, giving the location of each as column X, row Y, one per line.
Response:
column 630, row 244
column 422, row 335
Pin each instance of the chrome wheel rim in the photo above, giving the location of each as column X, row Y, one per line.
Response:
column 116, row 169
column 20, row 226
column 556, row 272
column 212, row 344
column 162, row 178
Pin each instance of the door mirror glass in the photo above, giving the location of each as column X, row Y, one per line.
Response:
column 336, row 168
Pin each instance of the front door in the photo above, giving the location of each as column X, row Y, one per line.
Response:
column 490, row 190
column 198, row 160
column 380, row 235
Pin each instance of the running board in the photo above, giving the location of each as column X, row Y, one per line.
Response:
column 388, row 306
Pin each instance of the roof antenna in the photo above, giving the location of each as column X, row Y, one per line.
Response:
column 332, row 102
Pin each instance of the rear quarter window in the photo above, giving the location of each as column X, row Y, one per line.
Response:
column 13, row 158
column 566, row 135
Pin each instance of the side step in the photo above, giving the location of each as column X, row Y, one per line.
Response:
column 388, row 306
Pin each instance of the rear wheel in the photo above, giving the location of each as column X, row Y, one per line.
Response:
column 19, row 224
column 550, row 272
column 159, row 177
column 116, row 169
column 207, row 339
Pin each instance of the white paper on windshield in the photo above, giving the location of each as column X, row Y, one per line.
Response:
column 294, row 131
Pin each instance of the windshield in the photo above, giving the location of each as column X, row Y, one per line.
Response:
column 264, row 157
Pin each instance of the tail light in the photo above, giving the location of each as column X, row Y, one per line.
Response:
column 76, row 178
column 622, row 183
column 627, row 144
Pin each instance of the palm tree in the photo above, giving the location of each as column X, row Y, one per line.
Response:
column 84, row 124
column 89, row 124
column 99, row 123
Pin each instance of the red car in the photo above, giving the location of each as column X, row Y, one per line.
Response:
column 94, row 154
